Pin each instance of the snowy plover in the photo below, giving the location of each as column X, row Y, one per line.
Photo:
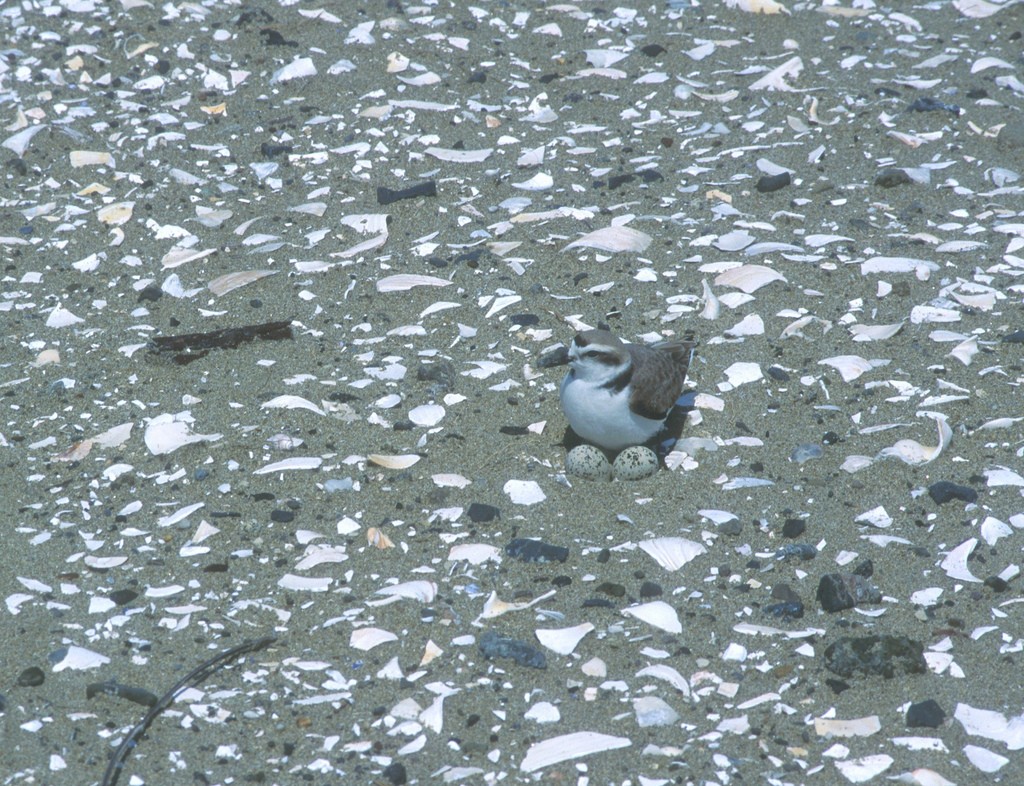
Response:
column 617, row 395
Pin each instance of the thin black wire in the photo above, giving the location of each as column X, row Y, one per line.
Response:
column 194, row 677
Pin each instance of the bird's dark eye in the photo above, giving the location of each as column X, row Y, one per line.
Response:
column 600, row 356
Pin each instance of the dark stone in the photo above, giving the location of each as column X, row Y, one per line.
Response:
column 650, row 589
column 479, row 513
column 386, row 196
column 997, row 584
column 943, row 491
column 123, row 597
column 282, row 516
column 801, row 551
column 527, row 550
column 929, row 104
column 32, row 677
column 890, row 178
column 770, row 183
column 611, row 588
column 395, row 773
column 269, row 150
column 794, row 528
column 787, row 610
column 885, row 656
column 841, row 591
column 494, row 646
column 440, row 373
column 514, row 431
column 925, row 714
column 152, row 293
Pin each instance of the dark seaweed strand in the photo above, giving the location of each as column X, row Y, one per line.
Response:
column 194, row 677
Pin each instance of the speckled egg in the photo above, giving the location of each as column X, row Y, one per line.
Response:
column 635, row 463
column 589, row 463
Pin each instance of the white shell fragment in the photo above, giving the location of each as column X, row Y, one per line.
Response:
column 656, row 613
column 672, row 553
column 563, row 640
column 403, row 282
column 394, row 462
column 613, row 239
column 569, row 746
column 166, row 433
column 748, row 278
column 912, row 452
column 524, row 492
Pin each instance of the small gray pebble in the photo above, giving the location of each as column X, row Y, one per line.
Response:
column 635, row 463
column 588, row 462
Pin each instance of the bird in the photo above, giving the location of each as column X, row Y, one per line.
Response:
column 617, row 395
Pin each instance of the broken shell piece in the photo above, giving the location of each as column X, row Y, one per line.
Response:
column 748, row 278
column 166, row 433
column 419, row 589
column 379, row 539
column 851, row 366
column 366, row 639
column 299, row 68
column 657, row 613
column 397, row 63
column 912, row 452
column 403, row 282
column 613, row 239
column 672, row 553
column 232, row 281
column 393, row 462
column 90, row 158
column 427, row 414
column 46, row 357
column 524, row 492
column 116, row 214
column 563, row 640
column 569, row 746
column 474, row 553
column 653, row 711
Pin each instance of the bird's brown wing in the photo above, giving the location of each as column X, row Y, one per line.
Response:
column 662, row 374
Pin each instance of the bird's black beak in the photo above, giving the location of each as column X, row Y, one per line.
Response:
column 555, row 357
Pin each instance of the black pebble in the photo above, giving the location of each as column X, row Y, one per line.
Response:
column 884, row 656
column 282, row 516
column 32, row 677
column 123, row 597
column 889, row 178
column 395, row 773
column 769, row 183
column 480, row 513
column 527, row 550
column 925, row 714
column 494, row 646
column 943, row 491
column 611, row 588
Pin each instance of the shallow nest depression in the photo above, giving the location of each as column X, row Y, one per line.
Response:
column 276, row 283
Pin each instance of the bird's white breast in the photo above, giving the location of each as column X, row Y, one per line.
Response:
column 603, row 417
